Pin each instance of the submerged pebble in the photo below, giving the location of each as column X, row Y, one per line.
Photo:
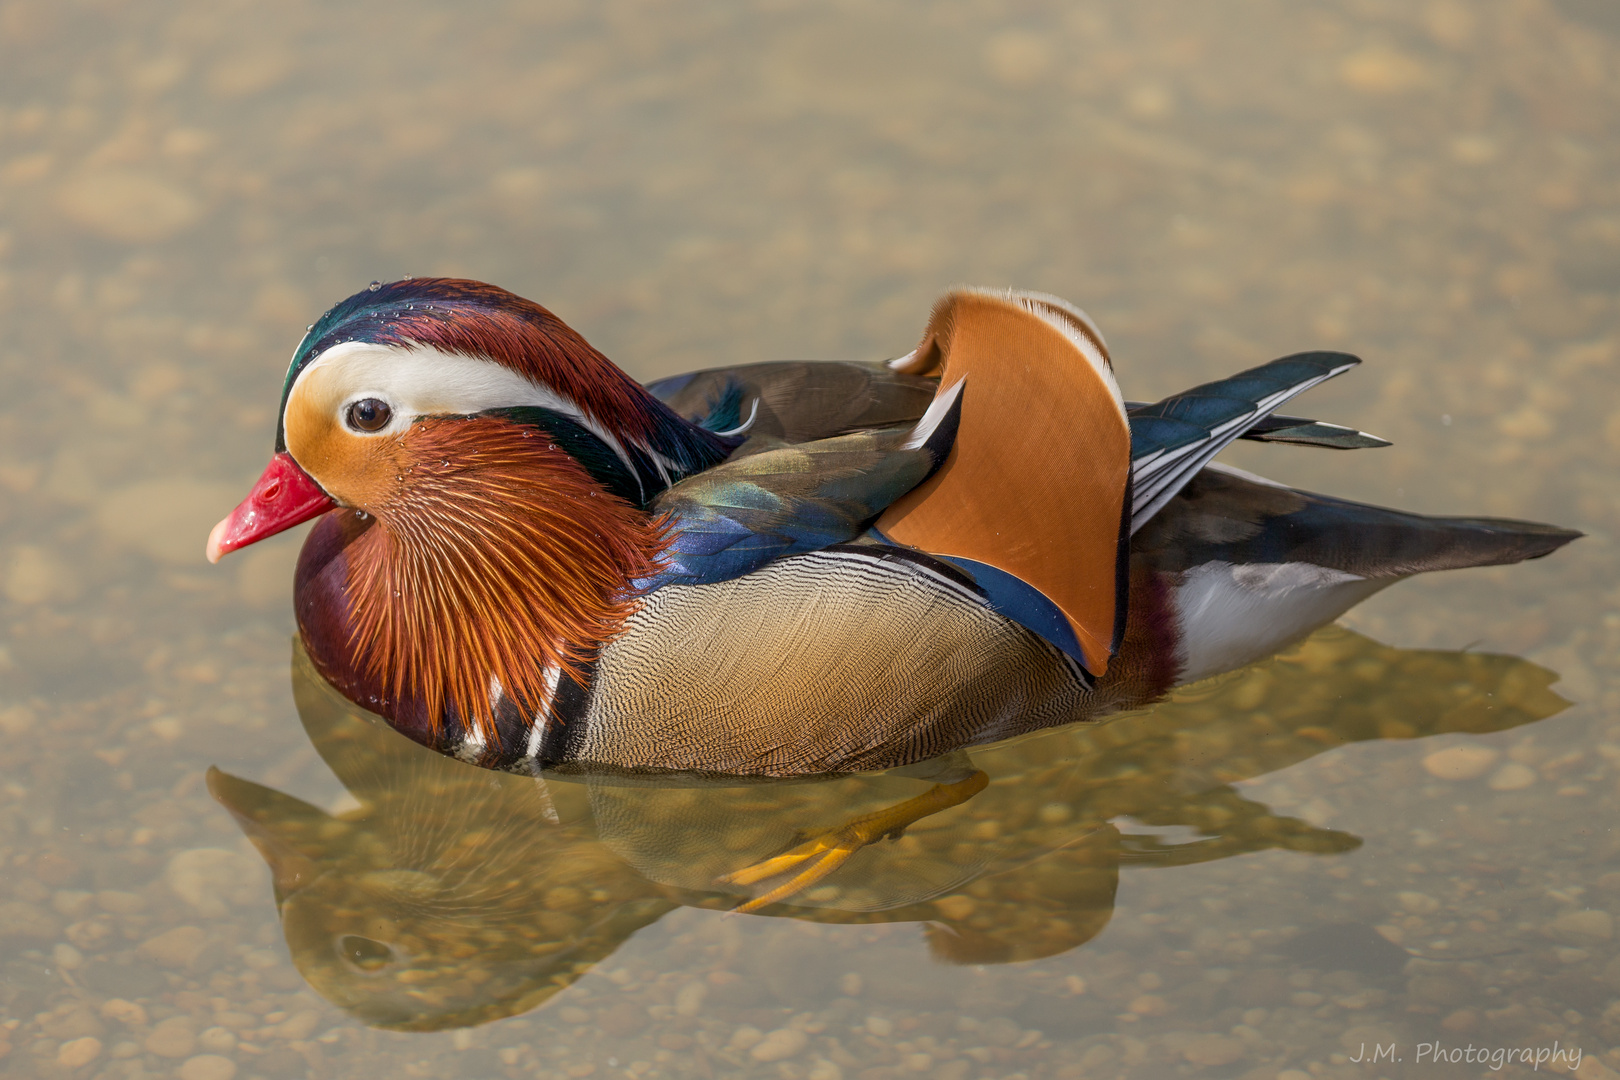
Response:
column 1460, row 762
column 78, row 1052
column 1512, row 777
column 1583, row 927
column 175, row 1037
column 779, row 1045
column 207, row 1067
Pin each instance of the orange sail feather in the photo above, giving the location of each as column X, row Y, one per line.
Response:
column 1038, row 480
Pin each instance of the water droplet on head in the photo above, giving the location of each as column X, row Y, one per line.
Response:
column 374, row 286
column 445, row 463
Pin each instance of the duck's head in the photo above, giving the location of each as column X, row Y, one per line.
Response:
column 498, row 466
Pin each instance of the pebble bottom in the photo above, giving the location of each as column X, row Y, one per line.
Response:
column 1354, row 846
column 207, row 1067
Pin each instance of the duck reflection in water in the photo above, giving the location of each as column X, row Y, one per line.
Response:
column 452, row 895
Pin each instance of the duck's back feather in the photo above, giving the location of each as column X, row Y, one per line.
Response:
column 797, row 401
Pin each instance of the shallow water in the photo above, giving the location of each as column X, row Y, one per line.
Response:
column 1377, row 839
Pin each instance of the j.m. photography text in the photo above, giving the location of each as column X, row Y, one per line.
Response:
column 1493, row 1057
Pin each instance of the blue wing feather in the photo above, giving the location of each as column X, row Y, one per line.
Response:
column 756, row 509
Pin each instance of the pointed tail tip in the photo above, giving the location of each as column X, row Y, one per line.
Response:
column 218, row 782
column 1556, row 537
column 1521, row 541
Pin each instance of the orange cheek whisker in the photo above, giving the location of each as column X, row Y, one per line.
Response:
column 507, row 563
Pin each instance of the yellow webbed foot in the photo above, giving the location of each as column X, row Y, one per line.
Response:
column 830, row 850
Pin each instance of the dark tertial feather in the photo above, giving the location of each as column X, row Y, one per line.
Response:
column 1191, row 416
column 1224, row 516
column 1172, row 439
column 1306, row 432
column 1299, row 430
column 757, row 508
column 798, row 401
column 1314, row 433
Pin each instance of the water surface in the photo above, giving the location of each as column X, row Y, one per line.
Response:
column 1377, row 839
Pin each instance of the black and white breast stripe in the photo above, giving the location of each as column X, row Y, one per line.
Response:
column 874, row 563
column 524, row 744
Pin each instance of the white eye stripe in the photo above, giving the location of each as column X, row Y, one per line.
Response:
column 420, row 380
column 424, row 381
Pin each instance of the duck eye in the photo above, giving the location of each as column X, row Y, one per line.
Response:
column 370, row 414
column 364, row 953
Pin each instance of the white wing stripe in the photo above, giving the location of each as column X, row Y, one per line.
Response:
column 1156, row 477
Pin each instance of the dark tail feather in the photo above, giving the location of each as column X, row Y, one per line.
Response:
column 1225, row 515
column 1455, row 543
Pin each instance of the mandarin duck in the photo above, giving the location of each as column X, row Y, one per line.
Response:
column 529, row 561
column 444, row 896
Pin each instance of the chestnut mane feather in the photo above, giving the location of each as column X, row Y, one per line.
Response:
column 498, row 557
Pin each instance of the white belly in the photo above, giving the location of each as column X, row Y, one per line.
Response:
column 1234, row 615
